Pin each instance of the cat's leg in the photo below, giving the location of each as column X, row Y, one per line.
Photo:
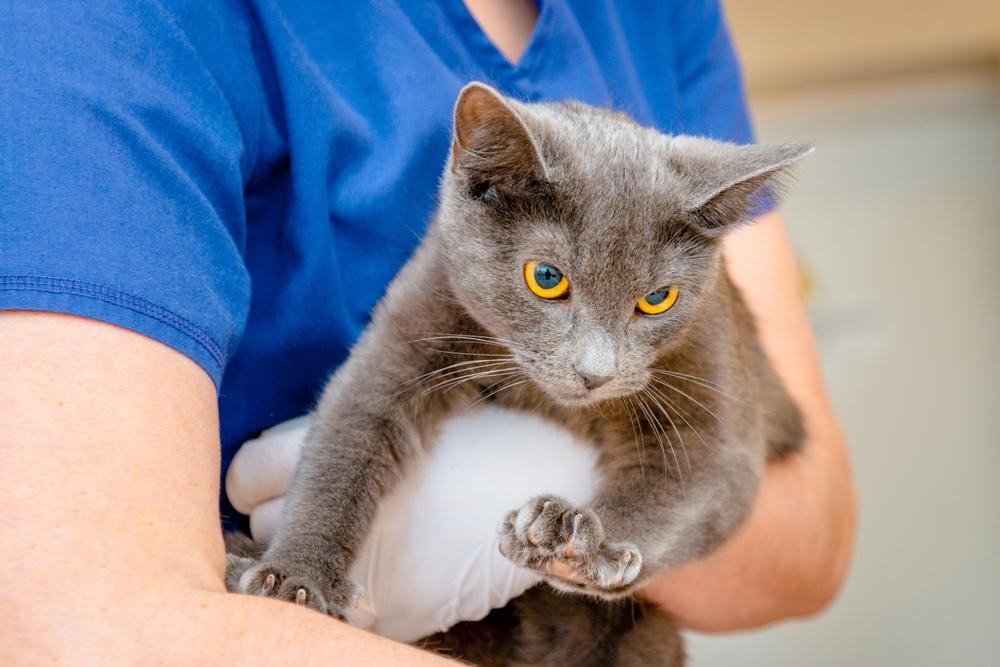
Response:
column 242, row 553
column 651, row 639
column 357, row 450
column 645, row 520
column 365, row 432
column 545, row 628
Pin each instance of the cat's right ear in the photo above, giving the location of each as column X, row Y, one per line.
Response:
column 722, row 179
column 491, row 142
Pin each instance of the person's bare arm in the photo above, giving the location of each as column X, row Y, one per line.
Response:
column 791, row 557
column 110, row 542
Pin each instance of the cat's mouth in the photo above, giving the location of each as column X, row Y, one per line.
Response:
column 585, row 401
column 583, row 397
column 572, row 389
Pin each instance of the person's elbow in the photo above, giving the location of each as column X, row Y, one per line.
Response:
column 814, row 583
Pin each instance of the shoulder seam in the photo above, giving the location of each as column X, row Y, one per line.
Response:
column 118, row 298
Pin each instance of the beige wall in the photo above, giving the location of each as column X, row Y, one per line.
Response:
column 791, row 42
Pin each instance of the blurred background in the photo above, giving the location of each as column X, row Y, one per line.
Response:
column 896, row 219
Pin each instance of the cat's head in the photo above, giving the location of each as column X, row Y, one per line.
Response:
column 587, row 241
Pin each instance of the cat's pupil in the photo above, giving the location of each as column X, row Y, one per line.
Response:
column 657, row 297
column 547, row 276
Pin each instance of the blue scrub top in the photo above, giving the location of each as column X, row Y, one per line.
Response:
column 240, row 180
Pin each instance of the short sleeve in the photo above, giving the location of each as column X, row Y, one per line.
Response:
column 710, row 82
column 713, row 99
column 121, row 176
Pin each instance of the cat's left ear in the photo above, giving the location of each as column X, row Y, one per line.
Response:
column 721, row 179
column 491, row 141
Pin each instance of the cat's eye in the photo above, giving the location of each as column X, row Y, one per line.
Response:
column 545, row 280
column 659, row 301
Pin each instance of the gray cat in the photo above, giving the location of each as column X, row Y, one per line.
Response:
column 573, row 270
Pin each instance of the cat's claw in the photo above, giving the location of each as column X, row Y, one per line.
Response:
column 268, row 580
column 568, row 545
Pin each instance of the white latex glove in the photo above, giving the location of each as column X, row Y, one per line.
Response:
column 432, row 558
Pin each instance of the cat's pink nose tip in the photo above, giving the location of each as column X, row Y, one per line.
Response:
column 591, row 381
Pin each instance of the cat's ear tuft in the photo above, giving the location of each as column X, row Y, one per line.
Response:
column 722, row 179
column 491, row 141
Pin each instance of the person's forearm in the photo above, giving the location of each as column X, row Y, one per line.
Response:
column 792, row 555
column 156, row 627
column 257, row 630
column 145, row 623
column 110, row 540
column 789, row 559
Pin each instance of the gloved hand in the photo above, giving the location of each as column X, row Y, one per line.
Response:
column 431, row 558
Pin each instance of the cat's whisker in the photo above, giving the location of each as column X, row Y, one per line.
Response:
column 442, row 376
column 475, row 354
column 502, row 380
column 632, row 417
column 657, row 429
column 680, row 413
column 468, row 338
column 466, row 362
column 668, row 371
column 651, row 418
column 505, row 343
column 448, row 385
column 509, row 385
column 707, row 384
column 642, row 434
column 673, row 452
column 701, row 382
column 451, row 383
column 694, row 400
column 458, row 366
column 657, row 395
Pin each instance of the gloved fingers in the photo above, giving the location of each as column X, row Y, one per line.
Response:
column 264, row 519
column 263, row 467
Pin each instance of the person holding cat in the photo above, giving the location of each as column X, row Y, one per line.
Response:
column 201, row 204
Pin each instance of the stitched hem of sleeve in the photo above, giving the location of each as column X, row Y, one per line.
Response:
column 78, row 297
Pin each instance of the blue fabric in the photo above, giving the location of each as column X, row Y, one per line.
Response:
column 241, row 180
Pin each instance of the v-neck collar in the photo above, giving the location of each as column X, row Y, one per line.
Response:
column 487, row 53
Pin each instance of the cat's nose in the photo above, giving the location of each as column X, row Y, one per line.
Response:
column 591, row 381
column 595, row 359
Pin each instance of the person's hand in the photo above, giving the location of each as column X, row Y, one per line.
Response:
column 432, row 557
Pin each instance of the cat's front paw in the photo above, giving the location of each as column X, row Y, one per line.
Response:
column 567, row 543
column 235, row 567
column 267, row 579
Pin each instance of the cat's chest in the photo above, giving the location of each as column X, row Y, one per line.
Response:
column 483, row 463
column 499, row 454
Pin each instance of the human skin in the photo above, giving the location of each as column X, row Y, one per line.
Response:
column 508, row 23
column 110, row 540
column 110, row 451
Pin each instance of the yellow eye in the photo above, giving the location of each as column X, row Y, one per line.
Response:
column 659, row 301
column 545, row 280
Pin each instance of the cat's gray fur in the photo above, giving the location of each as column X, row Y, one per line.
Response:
column 684, row 425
